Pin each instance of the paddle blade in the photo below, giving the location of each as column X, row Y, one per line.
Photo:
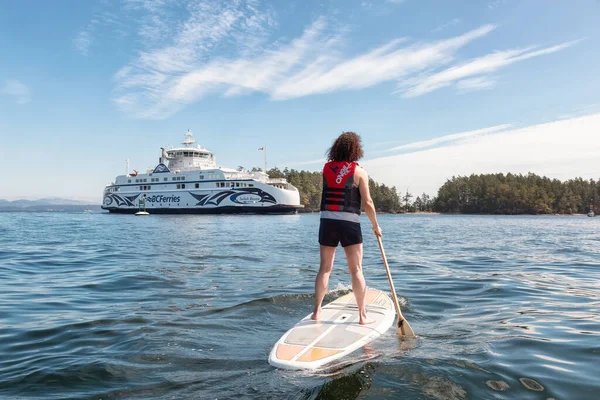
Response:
column 403, row 328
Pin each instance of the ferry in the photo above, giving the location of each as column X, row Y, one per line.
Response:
column 187, row 180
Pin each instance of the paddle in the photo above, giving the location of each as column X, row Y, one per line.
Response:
column 403, row 327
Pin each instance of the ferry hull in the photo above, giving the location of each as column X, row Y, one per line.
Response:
column 248, row 200
column 276, row 209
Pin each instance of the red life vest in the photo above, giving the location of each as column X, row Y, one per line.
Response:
column 339, row 191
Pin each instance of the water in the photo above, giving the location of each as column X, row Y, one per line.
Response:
column 100, row 306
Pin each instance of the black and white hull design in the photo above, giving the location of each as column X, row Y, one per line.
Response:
column 191, row 183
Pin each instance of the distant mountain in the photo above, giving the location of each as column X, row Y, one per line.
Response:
column 56, row 201
column 48, row 204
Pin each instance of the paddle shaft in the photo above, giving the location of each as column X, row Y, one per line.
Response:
column 394, row 297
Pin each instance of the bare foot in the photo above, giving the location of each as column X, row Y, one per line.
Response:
column 316, row 315
column 363, row 320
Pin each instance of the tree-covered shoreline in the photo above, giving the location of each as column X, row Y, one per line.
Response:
column 513, row 194
column 500, row 194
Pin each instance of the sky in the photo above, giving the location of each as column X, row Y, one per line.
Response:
column 435, row 88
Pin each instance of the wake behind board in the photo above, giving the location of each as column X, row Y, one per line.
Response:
column 312, row 344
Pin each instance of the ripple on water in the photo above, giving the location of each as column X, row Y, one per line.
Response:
column 109, row 306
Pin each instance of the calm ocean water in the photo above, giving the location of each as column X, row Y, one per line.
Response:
column 100, row 306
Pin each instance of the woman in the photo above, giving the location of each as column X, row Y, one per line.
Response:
column 345, row 190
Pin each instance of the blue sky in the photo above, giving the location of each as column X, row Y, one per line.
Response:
column 435, row 88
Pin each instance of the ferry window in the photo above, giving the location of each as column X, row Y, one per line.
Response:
column 251, row 184
column 173, row 178
column 178, row 186
column 217, row 184
column 141, row 188
column 145, row 180
column 183, row 178
column 166, row 179
column 128, row 180
column 201, row 176
column 197, row 185
column 183, row 185
column 237, row 184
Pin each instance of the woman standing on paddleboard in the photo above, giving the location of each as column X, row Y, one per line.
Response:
column 345, row 190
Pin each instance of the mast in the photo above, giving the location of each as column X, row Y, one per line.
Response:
column 189, row 139
column 127, row 169
column 265, row 147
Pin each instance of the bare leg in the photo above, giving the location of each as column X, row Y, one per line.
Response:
column 354, row 255
column 322, row 281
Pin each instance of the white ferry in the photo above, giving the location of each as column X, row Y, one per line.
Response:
column 188, row 181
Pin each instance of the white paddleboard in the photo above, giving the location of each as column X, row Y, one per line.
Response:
column 312, row 344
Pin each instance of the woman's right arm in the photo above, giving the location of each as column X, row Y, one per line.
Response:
column 367, row 201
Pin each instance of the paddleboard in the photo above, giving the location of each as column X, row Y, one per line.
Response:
column 312, row 344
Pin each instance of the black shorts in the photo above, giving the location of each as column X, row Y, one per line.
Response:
column 333, row 231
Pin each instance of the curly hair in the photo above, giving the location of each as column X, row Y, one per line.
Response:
column 347, row 147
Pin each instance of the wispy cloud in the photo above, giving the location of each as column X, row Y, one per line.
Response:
column 16, row 89
column 162, row 80
column 227, row 48
column 448, row 24
column 475, row 84
column 496, row 3
column 449, row 138
column 478, row 66
column 539, row 148
column 155, row 84
column 82, row 42
column 85, row 39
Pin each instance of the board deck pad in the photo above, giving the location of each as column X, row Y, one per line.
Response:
column 311, row 344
